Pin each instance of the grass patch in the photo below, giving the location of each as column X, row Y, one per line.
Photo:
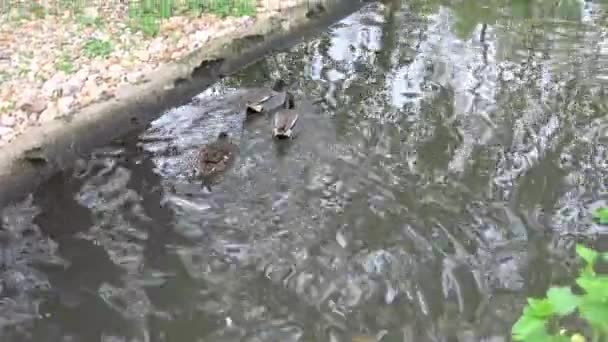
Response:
column 64, row 63
column 84, row 20
column 149, row 25
column 97, row 48
column 37, row 10
column 7, row 108
column 74, row 6
column 23, row 70
column 146, row 15
column 4, row 76
column 225, row 8
column 28, row 10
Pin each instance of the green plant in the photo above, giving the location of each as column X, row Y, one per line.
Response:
column 195, row 6
column 18, row 14
column 73, row 6
column 146, row 15
column 97, row 48
column 158, row 8
column 601, row 215
column 165, row 8
column 4, row 76
column 149, row 25
column 64, row 63
column 230, row 7
column 23, row 70
column 38, row 11
column 7, row 107
column 90, row 21
column 542, row 319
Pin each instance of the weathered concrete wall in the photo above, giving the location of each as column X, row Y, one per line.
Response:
column 42, row 151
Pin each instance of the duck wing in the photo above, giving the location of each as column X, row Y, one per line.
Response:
column 211, row 154
column 258, row 106
column 267, row 103
column 293, row 118
column 285, row 120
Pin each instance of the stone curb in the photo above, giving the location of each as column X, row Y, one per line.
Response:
column 42, row 151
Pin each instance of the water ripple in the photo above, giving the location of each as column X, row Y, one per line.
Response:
column 448, row 161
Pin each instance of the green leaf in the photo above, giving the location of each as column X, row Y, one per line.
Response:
column 589, row 255
column 562, row 300
column 601, row 215
column 528, row 328
column 540, row 308
column 592, row 306
column 596, row 287
column 596, row 313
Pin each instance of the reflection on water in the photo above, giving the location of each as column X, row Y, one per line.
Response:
column 447, row 162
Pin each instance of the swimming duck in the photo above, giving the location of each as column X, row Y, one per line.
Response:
column 269, row 102
column 215, row 157
column 285, row 119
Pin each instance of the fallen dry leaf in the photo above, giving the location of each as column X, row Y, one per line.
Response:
column 33, row 105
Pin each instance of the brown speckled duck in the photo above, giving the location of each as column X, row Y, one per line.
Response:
column 285, row 119
column 215, row 157
column 269, row 101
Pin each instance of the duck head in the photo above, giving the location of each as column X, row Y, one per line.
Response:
column 279, row 85
column 289, row 101
column 223, row 136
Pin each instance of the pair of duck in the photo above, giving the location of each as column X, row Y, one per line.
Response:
column 217, row 156
column 282, row 102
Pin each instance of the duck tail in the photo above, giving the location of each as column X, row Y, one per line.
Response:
column 206, row 184
column 282, row 134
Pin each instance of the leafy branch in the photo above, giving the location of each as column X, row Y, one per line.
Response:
column 542, row 319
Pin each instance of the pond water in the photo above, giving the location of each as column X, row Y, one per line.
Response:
column 447, row 161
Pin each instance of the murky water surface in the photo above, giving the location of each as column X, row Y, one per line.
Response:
column 447, row 161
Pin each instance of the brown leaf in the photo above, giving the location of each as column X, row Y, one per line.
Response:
column 33, row 105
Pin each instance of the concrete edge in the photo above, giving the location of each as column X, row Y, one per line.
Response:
column 42, row 151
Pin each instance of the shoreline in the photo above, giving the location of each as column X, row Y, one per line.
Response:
column 54, row 65
column 41, row 151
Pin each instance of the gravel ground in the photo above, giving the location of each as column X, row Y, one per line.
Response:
column 55, row 65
